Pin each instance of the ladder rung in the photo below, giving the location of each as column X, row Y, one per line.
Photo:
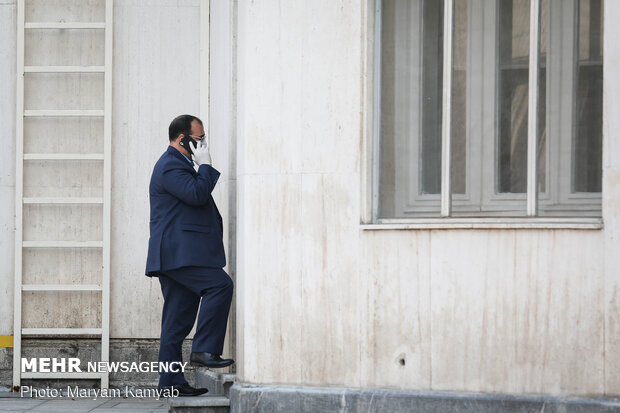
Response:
column 61, row 375
column 63, row 112
column 62, row 156
column 61, row 287
column 62, row 244
column 61, row 331
column 64, row 25
column 64, row 69
column 73, row 200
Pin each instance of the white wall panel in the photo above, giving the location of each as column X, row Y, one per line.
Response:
column 220, row 129
column 7, row 249
column 75, row 309
column 63, row 91
column 63, row 135
column 611, row 196
column 65, row 10
column 300, row 296
column 58, row 47
column 611, row 211
column 517, row 311
column 298, row 315
column 54, row 222
column 299, row 84
column 52, row 178
column 7, row 162
column 328, row 244
column 269, row 277
column 156, row 77
column 62, row 266
column 396, row 323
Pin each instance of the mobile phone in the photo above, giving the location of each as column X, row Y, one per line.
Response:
column 185, row 142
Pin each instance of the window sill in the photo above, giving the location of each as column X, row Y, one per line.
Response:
column 486, row 223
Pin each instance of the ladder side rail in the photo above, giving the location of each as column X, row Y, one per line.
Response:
column 19, row 192
column 107, row 188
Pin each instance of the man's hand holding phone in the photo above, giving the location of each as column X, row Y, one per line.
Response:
column 201, row 153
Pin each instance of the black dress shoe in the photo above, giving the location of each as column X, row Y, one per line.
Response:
column 185, row 390
column 213, row 361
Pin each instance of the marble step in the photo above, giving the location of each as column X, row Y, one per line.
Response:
column 199, row 404
column 219, row 384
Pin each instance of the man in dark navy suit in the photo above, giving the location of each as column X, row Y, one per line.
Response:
column 186, row 252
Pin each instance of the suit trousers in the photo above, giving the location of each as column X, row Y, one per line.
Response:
column 186, row 290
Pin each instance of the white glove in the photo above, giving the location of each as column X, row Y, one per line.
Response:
column 201, row 153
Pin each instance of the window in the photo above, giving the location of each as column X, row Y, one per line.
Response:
column 454, row 133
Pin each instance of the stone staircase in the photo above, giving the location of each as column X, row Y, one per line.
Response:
column 216, row 401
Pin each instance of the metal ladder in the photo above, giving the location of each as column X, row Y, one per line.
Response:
column 60, row 160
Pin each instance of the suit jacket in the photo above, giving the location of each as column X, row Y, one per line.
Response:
column 186, row 226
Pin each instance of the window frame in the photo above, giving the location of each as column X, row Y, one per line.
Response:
column 370, row 219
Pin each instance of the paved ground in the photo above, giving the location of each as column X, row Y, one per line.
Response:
column 11, row 402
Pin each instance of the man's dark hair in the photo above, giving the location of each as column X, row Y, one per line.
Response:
column 181, row 125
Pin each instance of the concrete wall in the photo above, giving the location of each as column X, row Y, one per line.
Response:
column 323, row 302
